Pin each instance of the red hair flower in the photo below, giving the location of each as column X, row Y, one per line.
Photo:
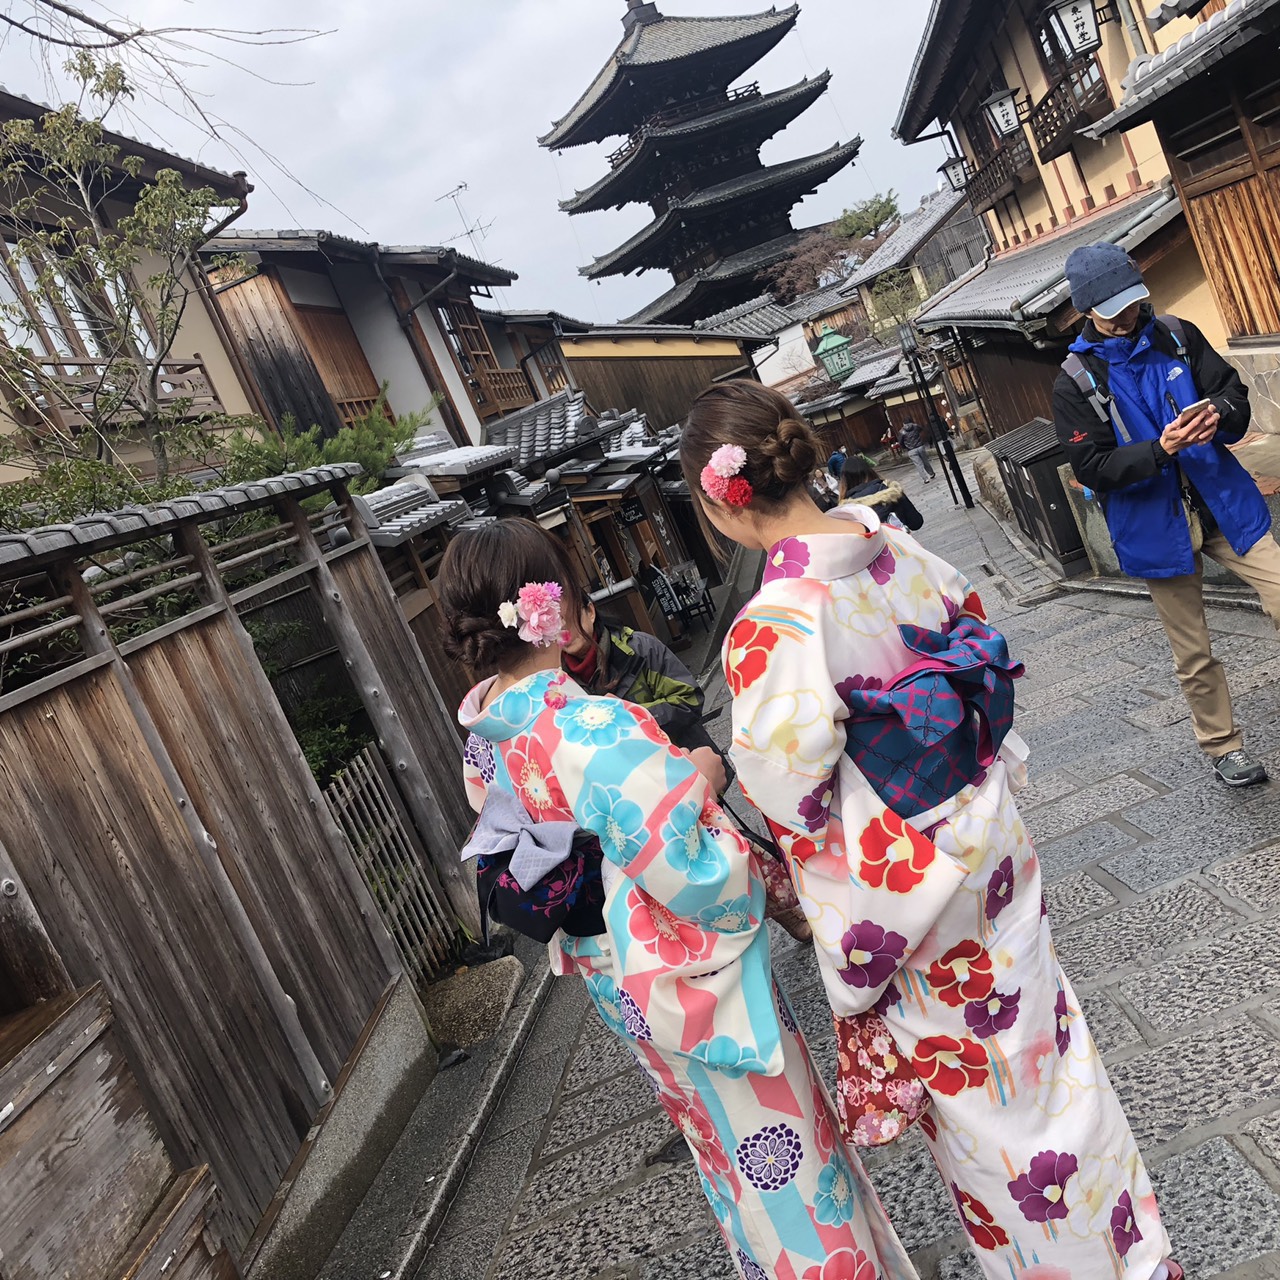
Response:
column 739, row 492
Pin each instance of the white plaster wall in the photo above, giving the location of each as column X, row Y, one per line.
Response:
column 308, row 288
column 385, row 346
column 459, row 393
column 792, row 357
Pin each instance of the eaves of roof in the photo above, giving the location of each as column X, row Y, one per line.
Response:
column 914, row 229
column 948, row 35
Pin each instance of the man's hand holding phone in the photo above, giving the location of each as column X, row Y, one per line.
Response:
column 1196, row 424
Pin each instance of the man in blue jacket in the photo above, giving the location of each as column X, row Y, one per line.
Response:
column 1126, row 406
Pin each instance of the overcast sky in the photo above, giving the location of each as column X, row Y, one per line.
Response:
column 407, row 99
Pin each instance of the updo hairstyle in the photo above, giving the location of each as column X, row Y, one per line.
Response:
column 484, row 568
column 782, row 451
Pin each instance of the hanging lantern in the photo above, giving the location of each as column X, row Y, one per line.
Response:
column 835, row 352
column 1076, row 28
column 1002, row 111
column 956, row 172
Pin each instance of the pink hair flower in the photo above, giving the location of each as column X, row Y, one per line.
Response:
column 728, row 460
column 535, row 613
column 714, row 485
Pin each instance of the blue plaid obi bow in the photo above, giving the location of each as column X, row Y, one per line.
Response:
column 937, row 726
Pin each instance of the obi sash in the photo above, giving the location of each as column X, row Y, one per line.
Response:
column 937, row 727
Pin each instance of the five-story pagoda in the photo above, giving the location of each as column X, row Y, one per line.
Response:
column 692, row 152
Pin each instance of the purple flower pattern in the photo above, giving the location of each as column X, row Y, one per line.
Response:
column 1124, row 1228
column 751, row 1269
column 888, row 998
column 1000, row 889
column 632, row 1018
column 858, row 684
column 987, row 1018
column 479, row 755
column 770, row 1158
column 882, row 567
column 1062, row 1023
column 1041, row 1192
column 815, row 808
column 785, row 1015
column 788, row 559
column 872, row 954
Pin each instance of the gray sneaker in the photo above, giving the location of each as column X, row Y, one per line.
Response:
column 1239, row 769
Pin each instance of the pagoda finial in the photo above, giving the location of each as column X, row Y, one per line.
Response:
column 640, row 13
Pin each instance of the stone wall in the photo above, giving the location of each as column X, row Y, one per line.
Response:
column 1260, row 368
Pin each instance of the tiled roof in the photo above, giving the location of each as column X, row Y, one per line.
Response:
column 654, row 43
column 461, row 461
column 546, row 429
column 895, row 383
column 749, row 262
column 809, row 306
column 1171, row 10
column 760, row 316
column 784, row 105
column 1027, row 284
column 244, row 240
column 911, row 233
column 1153, row 76
column 874, row 364
column 402, row 511
column 792, row 173
column 954, row 27
column 22, row 552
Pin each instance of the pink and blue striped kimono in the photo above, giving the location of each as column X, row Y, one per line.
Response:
column 682, row 975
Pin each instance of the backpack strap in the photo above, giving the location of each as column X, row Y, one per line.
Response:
column 1103, row 403
column 1177, row 333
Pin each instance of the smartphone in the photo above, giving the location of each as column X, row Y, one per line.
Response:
column 1193, row 409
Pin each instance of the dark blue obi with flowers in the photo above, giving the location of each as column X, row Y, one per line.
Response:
column 569, row 897
column 937, row 726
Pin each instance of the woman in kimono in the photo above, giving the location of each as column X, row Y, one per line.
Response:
column 871, row 727
column 681, row 970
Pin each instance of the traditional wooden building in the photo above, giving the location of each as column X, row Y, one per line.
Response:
column 50, row 314
column 324, row 322
column 1001, row 80
column 692, row 153
column 1214, row 98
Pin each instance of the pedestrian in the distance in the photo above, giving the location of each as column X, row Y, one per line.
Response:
column 913, row 440
column 872, row 714
column 1145, row 409
column 861, row 483
column 678, row 966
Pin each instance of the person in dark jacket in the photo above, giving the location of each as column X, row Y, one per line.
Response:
column 914, row 441
column 860, row 483
column 1128, row 413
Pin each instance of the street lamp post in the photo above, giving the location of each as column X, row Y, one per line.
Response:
column 941, row 436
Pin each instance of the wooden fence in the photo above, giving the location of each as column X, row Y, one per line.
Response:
column 387, row 850
column 163, row 835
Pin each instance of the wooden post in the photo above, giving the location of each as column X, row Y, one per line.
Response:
column 190, row 543
column 31, row 970
column 96, row 639
column 419, row 791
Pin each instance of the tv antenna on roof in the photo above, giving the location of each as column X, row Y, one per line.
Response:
column 472, row 232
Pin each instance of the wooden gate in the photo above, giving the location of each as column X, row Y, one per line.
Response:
column 387, row 850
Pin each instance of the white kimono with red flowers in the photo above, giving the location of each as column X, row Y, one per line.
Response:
column 936, row 921
column 682, row 976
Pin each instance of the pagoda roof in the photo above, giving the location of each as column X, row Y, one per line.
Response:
column 742, row 266
column 623, row 93
column 762, row 116
column 787, row 182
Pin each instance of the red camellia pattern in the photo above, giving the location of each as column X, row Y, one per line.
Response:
column 963, row 974
column 983, row 1229
column 950, row 1066
column 672, row 940
column 750, row 645
column 894, row 855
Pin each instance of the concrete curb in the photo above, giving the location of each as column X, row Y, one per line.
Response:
column 416, row 1239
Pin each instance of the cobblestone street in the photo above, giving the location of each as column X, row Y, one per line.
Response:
column 1164, row 888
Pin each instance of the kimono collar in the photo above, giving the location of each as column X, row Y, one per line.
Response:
column 514, row 710
column 827, row 556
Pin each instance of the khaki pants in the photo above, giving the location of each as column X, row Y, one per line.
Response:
column 1180, row 604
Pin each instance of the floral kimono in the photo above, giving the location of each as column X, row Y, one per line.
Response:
column 681, row 975
column 935, row 919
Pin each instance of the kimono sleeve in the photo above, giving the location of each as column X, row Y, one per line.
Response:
column 686, row 923
column 861, row 870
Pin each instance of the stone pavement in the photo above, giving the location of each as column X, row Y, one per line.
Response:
column 1164, row 888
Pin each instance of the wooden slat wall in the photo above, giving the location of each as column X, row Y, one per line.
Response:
column 125, row 897
column 1237, row 232
column 237, row 765
column 259, row 315
column 661, row 387
column 1016, row 381
column 337, row 353
column 410, row 689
